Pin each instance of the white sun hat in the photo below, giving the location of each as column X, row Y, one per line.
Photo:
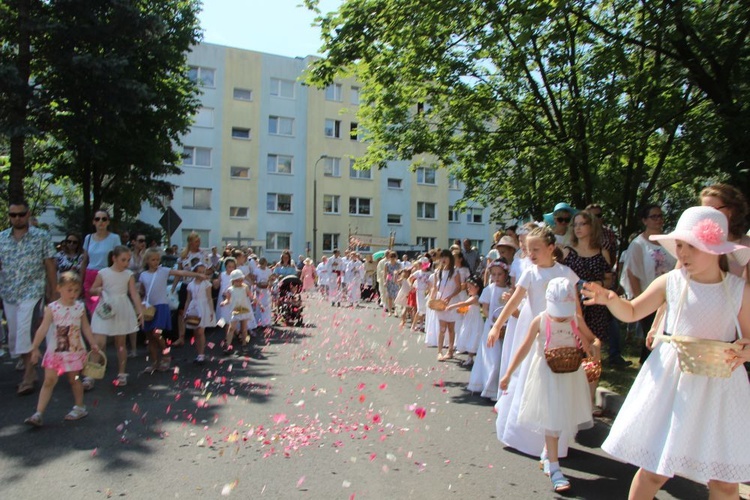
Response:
column 236, row 275
column 561, row 298
column 704, row 228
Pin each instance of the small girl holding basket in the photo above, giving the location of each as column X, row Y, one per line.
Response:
column 555, row 397
column 682, row 416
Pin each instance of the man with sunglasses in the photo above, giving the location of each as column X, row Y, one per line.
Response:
column 27, row 273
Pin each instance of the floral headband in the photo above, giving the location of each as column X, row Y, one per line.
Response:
column 498, row 263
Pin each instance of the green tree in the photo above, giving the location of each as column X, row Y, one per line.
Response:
column 525, row 103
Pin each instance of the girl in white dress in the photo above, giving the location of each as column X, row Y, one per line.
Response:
column 114, row 315
column 554, row 403
column 403, row 294
column 447, row 287
column 532, row 285
column 223, row 312
column 470, row 333
column 678, row 423
column 239, row 299
column 199, row 305
column 420, row 280
column 485, row 373
column 462, row 268
column 431, row 324
column 262, row 308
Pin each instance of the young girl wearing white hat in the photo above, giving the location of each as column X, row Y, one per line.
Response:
column 199, row 311
column 554, row 403
column 674, row 421
column 239, row 299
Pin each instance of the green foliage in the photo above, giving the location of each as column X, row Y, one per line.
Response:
column 108, row 85
column 530, row 104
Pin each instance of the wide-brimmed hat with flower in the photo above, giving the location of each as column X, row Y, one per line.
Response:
column 560, row 207
column 237, row 274
column 705, row 228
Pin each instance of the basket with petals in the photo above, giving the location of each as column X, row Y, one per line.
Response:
column 436, row 305
column 193, row 320
column 93, row 369
column 701, row 356
column 564, row 359
column 593, row 370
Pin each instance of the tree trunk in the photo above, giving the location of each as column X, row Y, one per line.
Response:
column 19, row 106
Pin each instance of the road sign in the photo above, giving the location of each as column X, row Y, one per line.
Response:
column 170, row 221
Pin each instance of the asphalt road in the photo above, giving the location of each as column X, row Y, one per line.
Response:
column 349, row 406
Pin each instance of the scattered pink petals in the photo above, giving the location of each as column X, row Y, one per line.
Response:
column 279, row 418
column 420, row 412
column 301, row 480
column 382, row 386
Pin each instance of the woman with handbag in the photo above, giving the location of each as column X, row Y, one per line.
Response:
column 556, row 395
column 96, row 249
column 686, row 413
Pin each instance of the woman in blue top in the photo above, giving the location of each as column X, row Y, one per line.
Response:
column 285, row 266
column 96, row 248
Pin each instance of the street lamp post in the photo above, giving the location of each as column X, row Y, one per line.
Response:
column 315, row 208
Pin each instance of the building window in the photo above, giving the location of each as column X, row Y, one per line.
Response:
column 196, row 157
column 279, row 164
column 196, row 198
column 394, row 183
column 354, row 96
column 426, row 242
column 333, row 129
column 279, row 125
column 277, row 202
column 333, row 92
column 394, row 219
column 202, row 233
column 242, row 94
column 331, row 204
column 204, row 117
column 239, row 172
column 278, row 241
column 239, row 212
column 240, row 133
column 426, row 210
column 282, row 88
column 359, row 206
column 474, row 215
column 354, row 131
column 453, row 182
column 203, row 77
column 426, row 175
column 356, row 173
column 453, row 214
column 332, row 167
column 330, row 242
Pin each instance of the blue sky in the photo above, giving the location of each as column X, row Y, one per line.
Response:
column 280, row 27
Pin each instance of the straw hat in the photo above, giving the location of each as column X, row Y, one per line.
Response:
column 704, row 228
column 561, row 298
column 507, row 241
column 237, row 274
column 560, row 207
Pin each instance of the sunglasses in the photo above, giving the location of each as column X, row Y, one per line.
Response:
column 17, row 214
column 563, row 220
column 72, row 242
column 103, row 219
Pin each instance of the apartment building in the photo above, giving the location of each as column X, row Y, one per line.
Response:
column 269, row 163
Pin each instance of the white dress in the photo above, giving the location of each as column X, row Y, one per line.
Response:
column 422, row 284
column 535, row 280
column 470, row 334
column 240, row 306
column 115, row 293
column 463, row 275
column 431, row 324
column 200, row 304
column 485, row 373
column 554, row 403
column 446, row 286
column 223, row 312
column 674, row 423
column 263, row 316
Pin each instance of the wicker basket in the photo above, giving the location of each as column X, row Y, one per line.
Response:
column 436, row 305
column 463, row 309
column 564, row 359
column 593, row 371
column 193, row 320
column 95, row 370
column 240, row 310
column 701, row 356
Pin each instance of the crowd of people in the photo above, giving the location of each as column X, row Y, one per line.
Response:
column 530, row 316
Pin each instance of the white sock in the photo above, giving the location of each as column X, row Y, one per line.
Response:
column 554, row 467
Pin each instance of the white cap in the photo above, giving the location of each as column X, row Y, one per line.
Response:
column 561, row 298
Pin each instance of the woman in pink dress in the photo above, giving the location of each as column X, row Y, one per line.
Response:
column 308, row 275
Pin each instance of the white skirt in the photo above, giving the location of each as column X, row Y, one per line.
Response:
column 122, row 323
column 674, row 423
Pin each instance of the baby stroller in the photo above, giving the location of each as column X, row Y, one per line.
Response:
column 289, row 304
